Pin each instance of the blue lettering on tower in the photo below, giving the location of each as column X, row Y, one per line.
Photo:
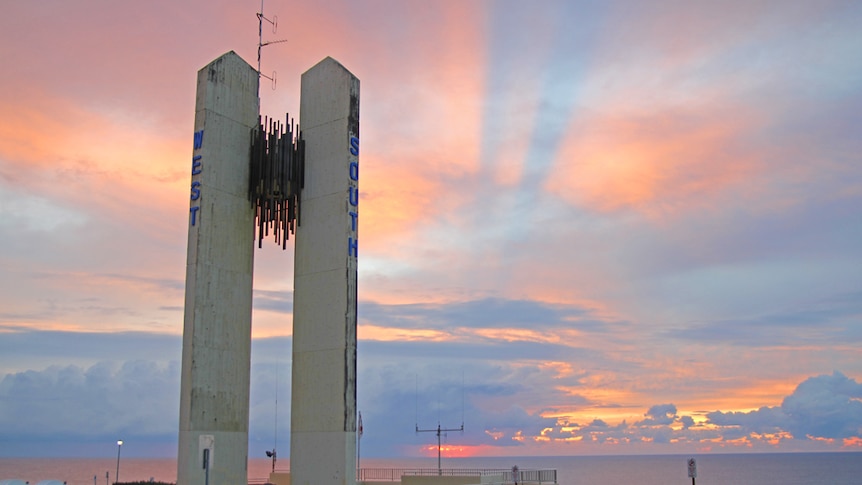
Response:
column 354, row 146
column 197, row 168
column 353, row 197
column 352, row 247
column 194, row 213
column 353, row 217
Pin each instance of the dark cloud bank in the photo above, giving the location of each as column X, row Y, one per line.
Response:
column 81, row 410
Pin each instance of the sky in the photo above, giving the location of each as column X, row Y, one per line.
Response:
column 609, row 227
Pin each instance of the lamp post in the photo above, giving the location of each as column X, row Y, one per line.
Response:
column 272, row 454
column 119, row 447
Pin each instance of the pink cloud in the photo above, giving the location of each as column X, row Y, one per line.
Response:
column 676, row 160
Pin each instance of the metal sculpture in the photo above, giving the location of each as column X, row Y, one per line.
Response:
column 276, row 179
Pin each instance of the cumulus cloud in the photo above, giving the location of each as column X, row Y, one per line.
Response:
column 133, row 398
column 764, row 420
column 828, row 406
column 825, row 406
column 822, row 409
column 502, row 401
column 661, row 414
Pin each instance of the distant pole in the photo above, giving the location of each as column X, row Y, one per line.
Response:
column 119, row 447
column 440, row 430
column 359, row 444
column 439, row 465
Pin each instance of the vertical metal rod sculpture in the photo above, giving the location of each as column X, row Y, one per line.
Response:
column 277, row 170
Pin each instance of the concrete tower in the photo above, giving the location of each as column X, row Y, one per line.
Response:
column 323, row 400
column 238, row 172
column 214, row 398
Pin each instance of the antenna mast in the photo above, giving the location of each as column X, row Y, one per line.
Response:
column 272, row 454
column 260, row 43
column 439, row 430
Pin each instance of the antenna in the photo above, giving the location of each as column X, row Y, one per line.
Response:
column 462, row 396
column 272, row 454
column 416, row 398
column 260, row 43
column 439, row 430
column 359, row 432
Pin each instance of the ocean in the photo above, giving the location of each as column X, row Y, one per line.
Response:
column 712, row 469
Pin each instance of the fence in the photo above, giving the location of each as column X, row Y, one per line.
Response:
column 501, row 476
column 491, row 476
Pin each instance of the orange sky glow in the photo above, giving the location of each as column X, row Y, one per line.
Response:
column 603, row 228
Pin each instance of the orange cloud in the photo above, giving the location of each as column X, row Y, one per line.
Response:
column 743, row 442
column 742, row 396
column 852, row 442
column 518, row 335
column 453, row 450
column 772, row 438
column 389, row 334
column 656, row 164
column 599, row 397
column 438, row 87
column 821, row 439
column 106, row 161
column 561, row 369
column 395, row 199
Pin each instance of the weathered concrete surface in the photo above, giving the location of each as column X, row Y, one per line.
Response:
column 279, row 478
column 323, row 402
column 214, row 396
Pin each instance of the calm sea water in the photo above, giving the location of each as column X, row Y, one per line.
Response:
column 755, row 469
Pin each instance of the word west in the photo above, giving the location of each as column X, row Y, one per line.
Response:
column 353, row 198
column 197, row 167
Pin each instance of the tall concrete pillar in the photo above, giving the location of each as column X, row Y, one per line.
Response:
column 214, row 397
column 323, row 401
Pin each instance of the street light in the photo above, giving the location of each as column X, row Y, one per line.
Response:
column 271, row 454
column 119, row 447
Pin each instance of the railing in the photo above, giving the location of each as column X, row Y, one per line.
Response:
column 258, row 481
column 520, row 476
column 502, row 476
column 490, row 476
column 395, row 474
column 539, row 476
